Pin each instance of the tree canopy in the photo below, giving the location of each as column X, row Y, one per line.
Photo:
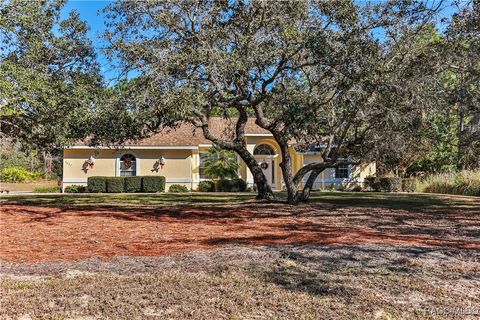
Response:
column 388, row 81
column 338, row 75
column 49, row 77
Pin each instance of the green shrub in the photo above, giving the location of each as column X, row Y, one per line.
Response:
column 409, row 185
column 238, row 185
column 75, row 189
column 234, row 185
column 177, row 188
column 97, row 184
column 153, row 184
column 372, row 183
column 206, row 186
column 391, row 184
column 223, row 185
column 133, row 184
column 357, row 189
column 115, row 184
column 463, row 183
column 46, row 189
column 220, row 163
column 18, row 175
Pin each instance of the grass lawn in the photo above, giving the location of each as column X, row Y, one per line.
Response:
column 209, row 256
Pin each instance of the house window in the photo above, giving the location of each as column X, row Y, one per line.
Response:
column 264, row 150
column 342, row 172
column 128, row 165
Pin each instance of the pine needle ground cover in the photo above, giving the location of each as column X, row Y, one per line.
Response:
column 344, row 255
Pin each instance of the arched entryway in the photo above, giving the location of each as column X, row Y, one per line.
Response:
column 266, row 156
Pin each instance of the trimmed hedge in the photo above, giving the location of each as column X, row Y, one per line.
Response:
column 409, row 185
column 177, row 188
column 239, row 185
column 372, row 183
column 223, row 185
column 97, row 184
column 121, row 184
column 133, row 184
column 391, row 184
column 234, row 185
column 75, row 189
column 206, row 186
column 115, row 184
column 153, row 184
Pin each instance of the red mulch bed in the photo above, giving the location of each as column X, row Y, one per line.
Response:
column 35, row 234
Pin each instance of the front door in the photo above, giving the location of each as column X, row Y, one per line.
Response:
column 269, row 171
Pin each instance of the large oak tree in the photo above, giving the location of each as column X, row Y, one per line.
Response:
column 324, row 74
column 49, row 77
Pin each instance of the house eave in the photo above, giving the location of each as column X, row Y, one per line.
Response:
column 136, row 147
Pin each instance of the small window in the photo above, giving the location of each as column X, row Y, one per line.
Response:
column 128, row 165
column 264, row 150
column 342, row 171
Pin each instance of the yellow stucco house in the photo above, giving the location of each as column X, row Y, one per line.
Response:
column 178, row 156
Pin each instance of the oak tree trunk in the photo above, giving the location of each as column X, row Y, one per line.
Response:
column 264, row 189
column 305, row 194
column 287, row 172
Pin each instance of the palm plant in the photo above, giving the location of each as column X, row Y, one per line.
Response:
column 220, row 164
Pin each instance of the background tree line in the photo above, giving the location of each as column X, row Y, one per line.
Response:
column 387, row 81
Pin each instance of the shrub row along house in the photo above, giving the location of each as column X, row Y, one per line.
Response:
column 179, row 155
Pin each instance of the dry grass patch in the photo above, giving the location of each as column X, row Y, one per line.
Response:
column 281, row 282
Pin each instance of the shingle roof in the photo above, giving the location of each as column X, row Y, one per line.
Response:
column 187, row 135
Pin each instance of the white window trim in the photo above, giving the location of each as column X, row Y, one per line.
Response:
column 137, row 164
column 349, row 170
column 274, row 149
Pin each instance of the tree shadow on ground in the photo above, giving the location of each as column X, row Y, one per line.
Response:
column 327, row 200
column 165, row 228
column 322, row 270
column 253, row 224
column 92, row 200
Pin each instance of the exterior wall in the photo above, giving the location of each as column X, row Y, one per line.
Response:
column 182, row 165
column 327, row 178
column 74, row 160
column 179, row 168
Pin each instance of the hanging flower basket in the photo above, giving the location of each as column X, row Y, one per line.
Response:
column 91, row 162
column 161, row 161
